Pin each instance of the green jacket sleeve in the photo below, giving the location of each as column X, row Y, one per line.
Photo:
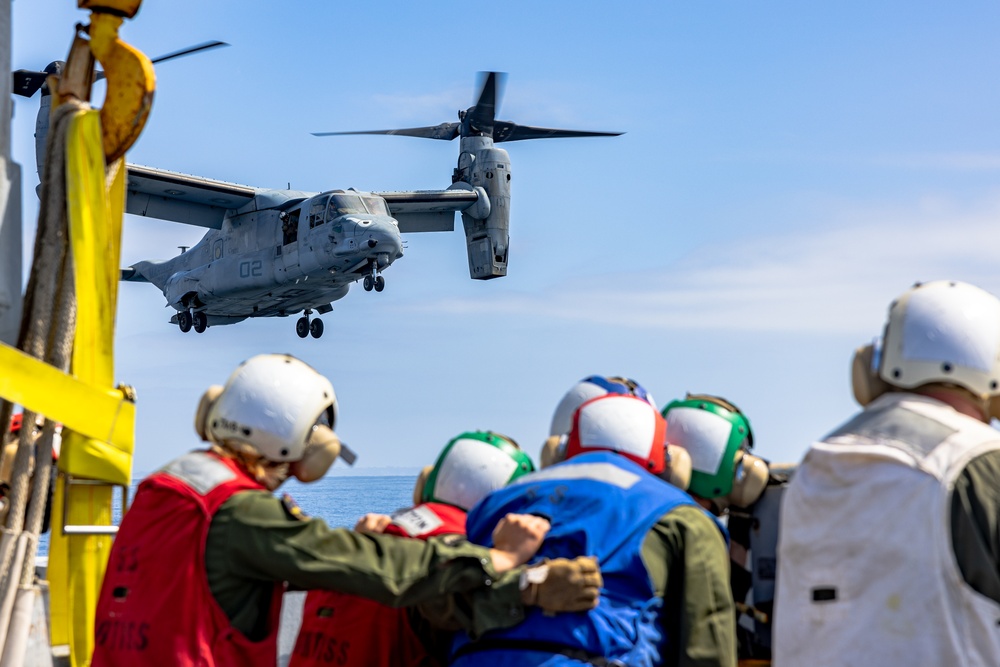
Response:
column 686, row 556
column 253, row 541
column 975, row 524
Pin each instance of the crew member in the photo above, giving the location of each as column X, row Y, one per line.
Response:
column 470, row 467
column 666, row 598
column 726, row 478
column 889, row 551
column 196, row 574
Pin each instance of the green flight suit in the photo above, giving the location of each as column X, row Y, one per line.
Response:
column 254, row 541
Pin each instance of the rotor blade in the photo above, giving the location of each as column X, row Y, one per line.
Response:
column 444, row 131
column 188, row 51
column 490, row 94
column 507, row 131
column 27, row 83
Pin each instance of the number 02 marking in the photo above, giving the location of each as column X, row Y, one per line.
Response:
column 254, row 268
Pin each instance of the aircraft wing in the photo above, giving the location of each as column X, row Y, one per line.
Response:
column 192, row 200
column 428, row 210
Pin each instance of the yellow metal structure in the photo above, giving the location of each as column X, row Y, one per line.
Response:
column 98, row 419
column 76, row 562
column 130, row 91
column 126, row 8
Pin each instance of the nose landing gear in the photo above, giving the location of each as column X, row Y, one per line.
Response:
column 374, row 280
column 305, row 327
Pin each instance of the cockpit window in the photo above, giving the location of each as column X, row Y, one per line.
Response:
column 344, row 205
column 376, row 205
column 316, row 212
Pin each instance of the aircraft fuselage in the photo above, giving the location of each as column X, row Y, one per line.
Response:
column 301, row 255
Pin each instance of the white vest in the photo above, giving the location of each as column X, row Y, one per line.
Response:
column 866, row 573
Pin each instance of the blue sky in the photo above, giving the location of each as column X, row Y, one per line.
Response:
column 788, row 169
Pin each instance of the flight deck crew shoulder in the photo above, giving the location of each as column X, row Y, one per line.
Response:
column 427, row 520
column 343, row 629
column 180, row 500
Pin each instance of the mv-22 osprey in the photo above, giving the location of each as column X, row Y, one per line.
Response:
column 281, row 252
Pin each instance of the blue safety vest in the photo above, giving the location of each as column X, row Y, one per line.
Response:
column 603, row 505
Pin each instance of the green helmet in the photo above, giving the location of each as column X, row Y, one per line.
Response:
column 472, row 466
column 712, row 430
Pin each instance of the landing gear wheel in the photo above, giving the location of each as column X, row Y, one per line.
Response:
column 379, row 283
column 302, row 327
column 316, row 328
column 200, row 322
column 184, row 320
column 369, row 283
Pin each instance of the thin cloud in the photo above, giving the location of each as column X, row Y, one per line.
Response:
column 838, row 280
column 948, row 161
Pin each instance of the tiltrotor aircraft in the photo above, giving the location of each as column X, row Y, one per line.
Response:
column 281, row 252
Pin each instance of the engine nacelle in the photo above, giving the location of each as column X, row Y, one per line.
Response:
column 487, row 237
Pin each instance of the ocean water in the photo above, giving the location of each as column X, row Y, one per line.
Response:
column 339, row 500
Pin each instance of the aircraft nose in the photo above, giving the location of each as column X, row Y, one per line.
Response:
column 384, row 235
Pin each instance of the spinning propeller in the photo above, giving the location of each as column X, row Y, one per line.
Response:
column 480, row 121
column 28, row 82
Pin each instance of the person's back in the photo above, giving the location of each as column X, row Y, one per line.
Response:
column 343, row 629
column 883, row 588
column 603, row 501
column 180, row 501
column 599, row 504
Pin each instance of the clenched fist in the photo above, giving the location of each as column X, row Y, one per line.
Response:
column 516, row 539
column 562, row 584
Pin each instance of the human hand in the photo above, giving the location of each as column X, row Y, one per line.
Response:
column 372, row 523
column 516, row 539
column 562, row 584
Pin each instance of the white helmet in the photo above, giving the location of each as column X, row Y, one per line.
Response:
column 271, row 402
column 588, row 388
column 943, row 331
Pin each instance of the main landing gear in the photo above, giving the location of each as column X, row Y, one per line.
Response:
column 304, row 327
column 374, row 279
column 186, row 320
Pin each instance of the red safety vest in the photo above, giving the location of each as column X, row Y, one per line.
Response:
column 155, row 606
column 342, row 629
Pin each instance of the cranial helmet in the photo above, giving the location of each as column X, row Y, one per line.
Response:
column 938, row 332
column 715, row 433
column 588, row 388
column 624, row 424
column 472, row 466
column 280, row 406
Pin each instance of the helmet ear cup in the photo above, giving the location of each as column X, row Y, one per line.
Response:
column 678, row 471
column 320, row 452
column 418, row 488
column 208, row 399
column 865, row 380
column 553, row 451
column 749, row 481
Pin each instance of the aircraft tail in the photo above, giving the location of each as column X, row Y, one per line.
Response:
column 156, row 273
column 131, row 274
